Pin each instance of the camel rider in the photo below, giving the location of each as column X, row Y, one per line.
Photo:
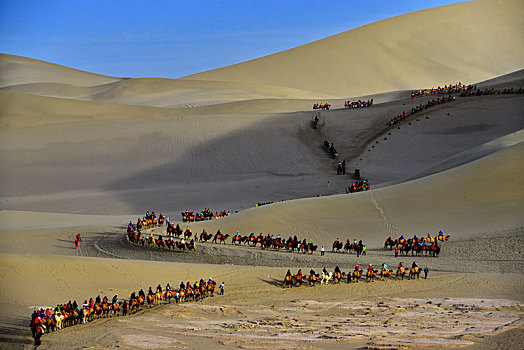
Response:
column 357, row 268
column 210, row 282
column 151, row 235
column 188, row 285
column 150, row 291
column 91, row 302
column 400, row 265
column 299, row 273
column 115, row 299
column 168, row 288
column 324, row 271
column 370, row 268
column 288, row 273
column 312, row 272
column 183, row 241
column 384, row 266
column 402, row 237
column 337, row 269
column 311, row 242
column 98, row 299
column 141, row 293
column 132, row 297
column 238, row 234
column 104, row 301
column 354, row 242
column 415, row 237
column 414, row 265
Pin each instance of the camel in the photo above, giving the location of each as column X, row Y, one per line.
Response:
column 211, row 288
column 384, row 273
column 414, row 272
column 370, row 275
column 288, row 281
column 159, row 298
column 356, row 275
column 221, row 238
column 401, row 272
column 150, row 300
column 312, row 279
column 337, row 276
column 325, row 278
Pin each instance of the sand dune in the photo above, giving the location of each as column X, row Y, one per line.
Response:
column 468, row 42
column 483, row 195
column 76, row 143
column 15, row 70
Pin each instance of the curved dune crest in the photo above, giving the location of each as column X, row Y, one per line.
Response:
column 16, row 70
column 470, row 41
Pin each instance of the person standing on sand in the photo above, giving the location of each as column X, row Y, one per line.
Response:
column 221, row 288
column 124, row 308
column 426, row 271
column 322, row 251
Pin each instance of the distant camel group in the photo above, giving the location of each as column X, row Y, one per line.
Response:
column 354, row 276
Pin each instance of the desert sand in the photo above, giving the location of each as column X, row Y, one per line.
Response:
column 88, row 153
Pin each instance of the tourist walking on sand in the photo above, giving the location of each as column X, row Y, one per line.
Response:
column 426, row 271
column 322, row 251
column 221, row 288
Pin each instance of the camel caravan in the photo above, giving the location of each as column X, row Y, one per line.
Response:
column 134, row 235
column 419, row 246
column 321, row 106
column 358, row 247
column 420, row 108
column 70, row 314
column 358, row 104
column 354, row 276
column 206, row 214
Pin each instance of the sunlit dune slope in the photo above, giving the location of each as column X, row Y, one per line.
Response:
column 470, row 42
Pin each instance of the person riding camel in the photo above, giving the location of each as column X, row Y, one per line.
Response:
column 299, row 273
column 150, row 291
column 141, row 293
column 159, row 288
column 324, row 271
column 168, row 287
column 182, row 285
column 414, row 265
column 357, row 268
column 133, row 296
column 337, row 269
column 98, row 300
column 115, row 299
column 104, row 301
column 312, row 272
column 288, row 273
column 370, row 267
column 188, row 285
column 210, row 282
column 384, row 266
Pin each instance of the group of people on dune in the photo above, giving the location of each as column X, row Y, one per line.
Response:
column 206, row 214
column 65, row 315
column 485, row 92
column 330, row 148
column 353, row 276
column 150, row 220
column 135, row 236
column 446, row 90
column 358, row 247
column 321, row 106
column 417, row 245
column 419, row 108
column 358, row 186
column 358, row 104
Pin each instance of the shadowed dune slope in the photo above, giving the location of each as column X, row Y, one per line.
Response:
column 480, row 196
column 469, row 41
